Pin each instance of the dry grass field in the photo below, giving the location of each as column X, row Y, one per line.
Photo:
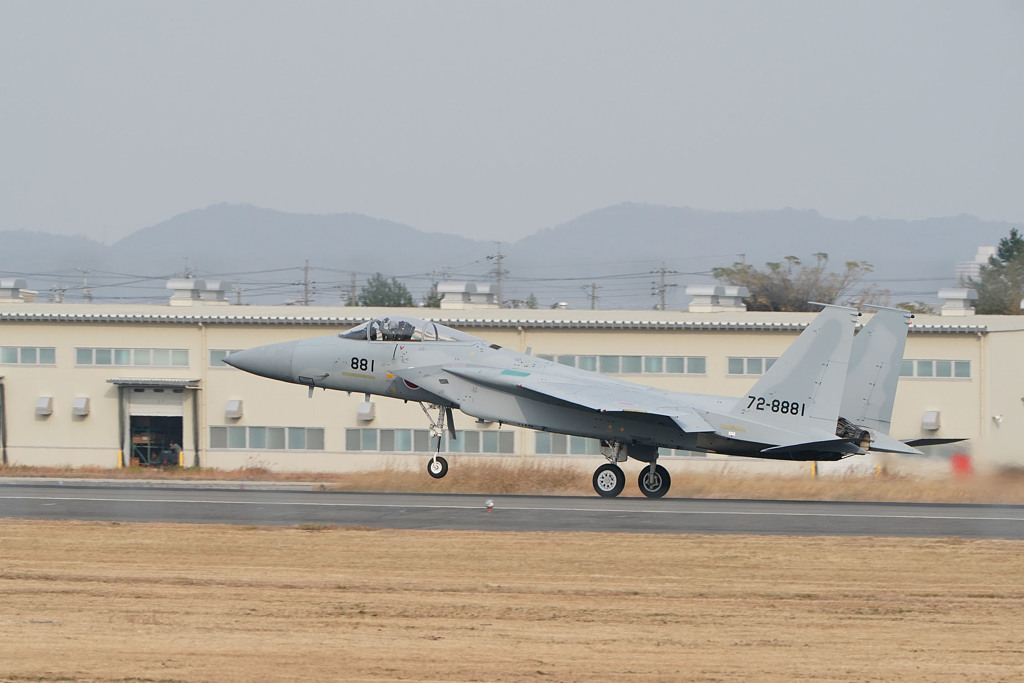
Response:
column 537, row 477
column 133, row 602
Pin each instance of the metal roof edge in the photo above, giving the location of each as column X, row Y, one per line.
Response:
column 220, row 318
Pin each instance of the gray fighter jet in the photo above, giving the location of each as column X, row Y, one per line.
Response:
column 829, row 396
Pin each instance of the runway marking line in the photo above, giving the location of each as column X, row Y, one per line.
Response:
column 522, row 509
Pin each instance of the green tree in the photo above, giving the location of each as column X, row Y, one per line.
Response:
column 1000, row 283
column 379, row 291
column 531, row 301
column 791, row 285
column 918, row 307
column 433, row 298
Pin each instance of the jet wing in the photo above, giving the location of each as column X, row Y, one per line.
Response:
column 600, row 396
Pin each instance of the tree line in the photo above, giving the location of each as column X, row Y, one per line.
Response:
column 792, row 284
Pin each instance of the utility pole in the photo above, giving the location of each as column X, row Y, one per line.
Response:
column 660, row 288
column 57, row 292
column 86, row 291
column 353, row 292
column 238, row 293
column 306, row 286
column 592, row 289
column 499, row 274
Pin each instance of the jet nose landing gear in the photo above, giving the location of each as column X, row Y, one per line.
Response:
column 437, row 467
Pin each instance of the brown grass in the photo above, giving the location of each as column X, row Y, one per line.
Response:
column 539, row 477
column 132, row 602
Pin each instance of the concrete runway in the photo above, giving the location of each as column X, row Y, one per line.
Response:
column 131, row 502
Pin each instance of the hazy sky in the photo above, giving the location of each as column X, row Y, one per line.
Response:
column 496, row 119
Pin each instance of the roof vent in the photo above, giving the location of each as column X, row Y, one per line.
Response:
column 958, row 302
column 192, row 292
column 463, row 295
column 11, row 289
column 716, row 298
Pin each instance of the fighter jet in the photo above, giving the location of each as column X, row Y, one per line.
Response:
column 797, row 410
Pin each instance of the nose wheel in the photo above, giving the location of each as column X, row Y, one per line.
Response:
column 437, row 467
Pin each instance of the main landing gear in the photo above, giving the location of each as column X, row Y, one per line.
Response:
column 437, row 466
column 610, row 480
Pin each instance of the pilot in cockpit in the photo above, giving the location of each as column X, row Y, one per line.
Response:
column 396, row 330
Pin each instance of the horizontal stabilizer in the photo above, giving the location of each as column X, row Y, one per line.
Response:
column 884, row 443
column 827, row 446
column 932, row 442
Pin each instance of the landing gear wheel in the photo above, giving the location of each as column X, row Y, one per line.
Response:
column 609, row 480
column 437, row 467
column 654, row 484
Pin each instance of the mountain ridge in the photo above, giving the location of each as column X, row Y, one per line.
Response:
column 618, row 247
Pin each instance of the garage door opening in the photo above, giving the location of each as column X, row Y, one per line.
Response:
column 156, row 440
column 153, row 424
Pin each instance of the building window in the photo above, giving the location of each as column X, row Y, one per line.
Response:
column 28, row 355
column 749, row 366
column 547, row 443
column 472, row 441
column 267, row 438
column 634, row 365
column 177, row 358
column 217, row 357
column 936, row 369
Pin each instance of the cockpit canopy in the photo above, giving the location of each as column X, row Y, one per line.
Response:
column 401, row 328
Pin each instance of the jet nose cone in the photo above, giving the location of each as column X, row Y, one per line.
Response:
column 273, row 360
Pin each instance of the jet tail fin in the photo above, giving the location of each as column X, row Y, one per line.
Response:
column 875, row 369
column 803, row 390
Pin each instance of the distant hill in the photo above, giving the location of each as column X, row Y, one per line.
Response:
column 617, row 249
column 44, row 260
column 225, row 238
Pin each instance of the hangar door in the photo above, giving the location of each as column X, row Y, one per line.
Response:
column 155, row 425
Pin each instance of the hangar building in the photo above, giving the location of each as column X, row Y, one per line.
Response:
column 113, row 385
